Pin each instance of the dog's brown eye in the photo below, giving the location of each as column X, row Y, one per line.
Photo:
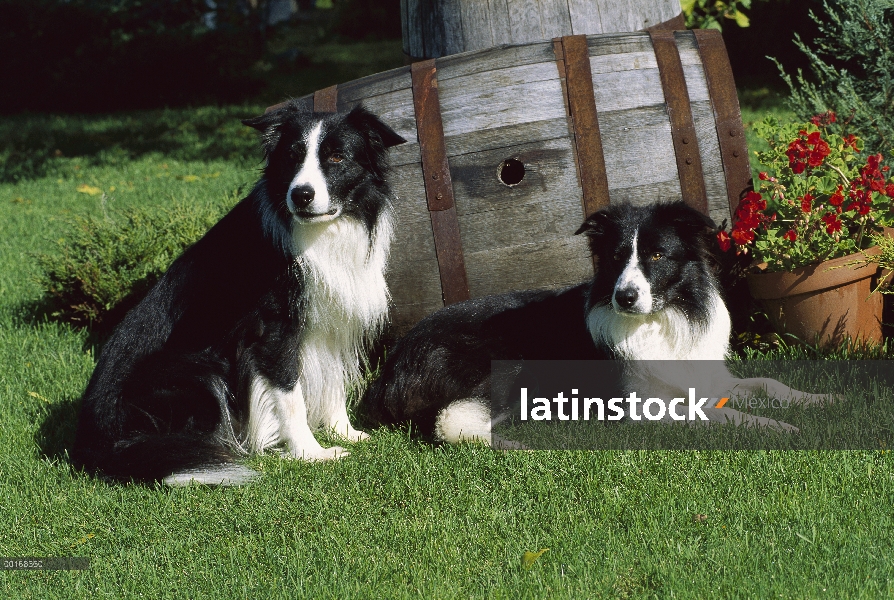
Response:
column 657, row 255
column 617, row 256
column 336, row 158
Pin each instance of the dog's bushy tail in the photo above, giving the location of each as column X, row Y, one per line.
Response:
column 174, row 459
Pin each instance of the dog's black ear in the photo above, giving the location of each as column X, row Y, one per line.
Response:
column 270, row 125
column 595, row 225
column 682, row 215
column 371, row 126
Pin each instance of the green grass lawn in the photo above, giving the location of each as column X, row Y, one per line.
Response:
column 397, row 518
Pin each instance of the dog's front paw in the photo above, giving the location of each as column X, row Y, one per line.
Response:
column 349, row 433
column 319, row 454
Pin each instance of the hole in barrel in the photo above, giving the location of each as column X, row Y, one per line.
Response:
column 512, row 171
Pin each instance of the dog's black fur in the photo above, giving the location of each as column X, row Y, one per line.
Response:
column 170, row 390
column 447, row 356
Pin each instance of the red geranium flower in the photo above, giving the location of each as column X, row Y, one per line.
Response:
column 826, row 118
column 838, row 197
column 723, row 240
column 805, row 203
column 742, row 236
column 790, row 235
column 833, row 224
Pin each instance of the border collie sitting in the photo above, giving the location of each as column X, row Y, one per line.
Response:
column 250, row 337
column 655, row 297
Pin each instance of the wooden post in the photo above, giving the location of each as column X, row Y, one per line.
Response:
column 435, row 28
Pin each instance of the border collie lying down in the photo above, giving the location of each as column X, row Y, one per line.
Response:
column 655, row 297
column 250, row 337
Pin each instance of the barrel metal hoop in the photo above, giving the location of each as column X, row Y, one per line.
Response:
column 679, row 110
column 727, row 115
column 588, row 150
column 438, row 183
column 326, row 100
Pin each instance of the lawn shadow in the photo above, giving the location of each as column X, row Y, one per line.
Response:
column 56, row 434
column 33, row 145
column 42, row 309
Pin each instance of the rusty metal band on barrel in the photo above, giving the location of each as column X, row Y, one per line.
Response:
column 582, row 110
column 727, row 116
column 438, row 184
column 326, row 100
column 679, row 110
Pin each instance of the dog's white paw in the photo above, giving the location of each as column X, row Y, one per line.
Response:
column 349, row 433
column 319, row 454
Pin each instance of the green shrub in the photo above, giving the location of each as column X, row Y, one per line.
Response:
column 713, row 14
column 852, row 71
column 104, row 265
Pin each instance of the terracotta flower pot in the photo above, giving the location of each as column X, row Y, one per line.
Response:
column 822, row 303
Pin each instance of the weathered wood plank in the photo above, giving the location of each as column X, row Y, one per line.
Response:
column 410, row 203
column 506, row 136
column 493, row 59
column 585, row 17
column 549, row 219
column 499, row 22
column 659, row 11
column 373, row 85
column 449, row 27
column 641, row 158
column 473, row 14
column 411, row 19
column 404, row 25
column 618, row 43
column 524, row 21
column 712, row 163
column 627, row 89
column 497, row 79
column 628, row 61
column 643, row 195
column 555, row 19
column 536, row 265
column 668, row 9
column 464, row 110
column 549, row 180
column 412, row 274
column 618, row 15
column 696, row 83
column 405, row 154
column 431, row 26
column 549, row 174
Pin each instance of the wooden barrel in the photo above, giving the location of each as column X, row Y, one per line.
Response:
column 509, row 148
column 435, row 28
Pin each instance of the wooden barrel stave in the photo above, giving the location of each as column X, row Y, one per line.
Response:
column 447, row 27
column 509, row 102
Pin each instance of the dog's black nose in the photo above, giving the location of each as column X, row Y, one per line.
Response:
column 626, row 297
column 302, row 196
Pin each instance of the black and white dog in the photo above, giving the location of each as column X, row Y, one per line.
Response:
column 250, row 338
column 655, row 297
